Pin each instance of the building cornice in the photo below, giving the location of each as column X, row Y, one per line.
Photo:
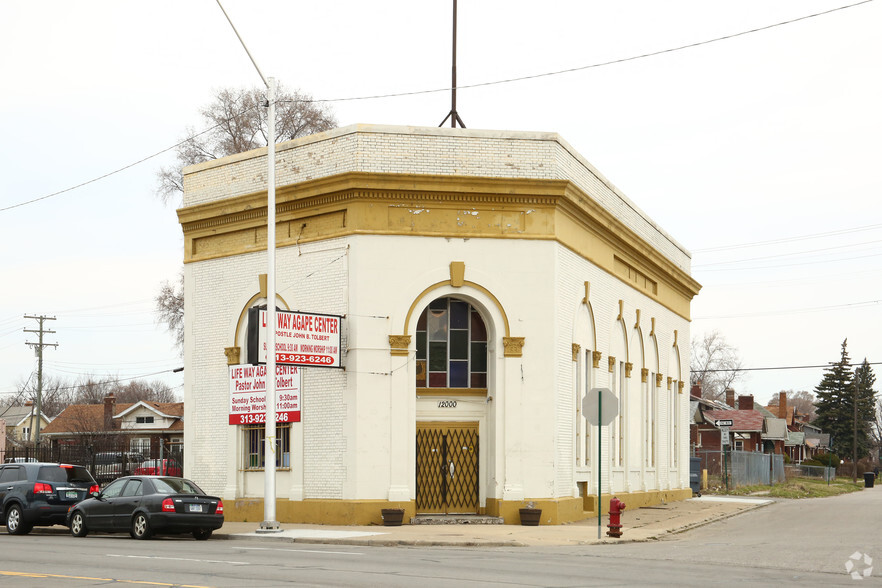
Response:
column 365, row 203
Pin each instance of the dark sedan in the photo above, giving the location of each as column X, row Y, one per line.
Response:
column 148, row 505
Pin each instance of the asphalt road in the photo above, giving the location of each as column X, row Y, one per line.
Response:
column 787, row 543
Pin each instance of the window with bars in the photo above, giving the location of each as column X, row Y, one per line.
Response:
column 451, row 342
column 254, row 436
column 140, row 445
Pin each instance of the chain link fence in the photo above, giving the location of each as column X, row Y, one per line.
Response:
column 744, row 468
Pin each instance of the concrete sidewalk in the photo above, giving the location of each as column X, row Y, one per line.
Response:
column 643, row 524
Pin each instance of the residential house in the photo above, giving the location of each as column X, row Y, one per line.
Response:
column 745, row 434
column 137, row 427
column 775, row 433
column 21, row 422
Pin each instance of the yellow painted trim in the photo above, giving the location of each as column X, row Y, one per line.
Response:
column 316, row 512
column 477, row 287
column 398, row 344
column 244, row 314
column 233, row 355
column 382, row 204
column 447, row 392
column 555, row 511
column 513, row 346
column 457, row 273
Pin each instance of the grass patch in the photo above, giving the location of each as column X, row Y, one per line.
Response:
column 794, row 488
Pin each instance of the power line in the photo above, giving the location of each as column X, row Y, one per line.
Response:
column 765, row 267
column 125, row 167
column 595, row 65
column 468, row 86
column 114, row 381
column 792, row 254
column 788, row 239
column 792, row 311
column 790, row 367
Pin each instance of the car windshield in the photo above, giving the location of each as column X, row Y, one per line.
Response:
column 176, row 486
column 64, row 474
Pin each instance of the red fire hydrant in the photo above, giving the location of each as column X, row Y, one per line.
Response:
column 616, row 507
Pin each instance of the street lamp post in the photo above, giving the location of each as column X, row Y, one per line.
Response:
column 269, row 524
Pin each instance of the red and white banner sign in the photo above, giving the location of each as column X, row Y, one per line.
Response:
column 309, row 340
column 248, row 394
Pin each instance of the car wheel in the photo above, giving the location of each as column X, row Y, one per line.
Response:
column 14, row 523
column 141, row 527
column 78, row 525
column 201, row 534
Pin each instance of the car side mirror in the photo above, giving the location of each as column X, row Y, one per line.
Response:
column 96, row 495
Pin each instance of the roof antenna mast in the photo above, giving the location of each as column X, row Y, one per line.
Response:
column 453, row 115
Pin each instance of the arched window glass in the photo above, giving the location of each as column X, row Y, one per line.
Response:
column 451, row 342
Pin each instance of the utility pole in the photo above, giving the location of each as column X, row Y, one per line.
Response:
column 38, row 349
column 857, row 380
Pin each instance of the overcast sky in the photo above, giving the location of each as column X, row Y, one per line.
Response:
column 759, row 152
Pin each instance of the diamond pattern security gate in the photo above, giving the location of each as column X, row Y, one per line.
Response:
column 447, row 468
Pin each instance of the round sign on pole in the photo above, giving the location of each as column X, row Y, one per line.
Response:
column 600, row 406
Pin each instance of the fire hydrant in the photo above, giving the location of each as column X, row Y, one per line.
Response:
column 616, row 507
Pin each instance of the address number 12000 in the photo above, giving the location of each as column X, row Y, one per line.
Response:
column 299, row 358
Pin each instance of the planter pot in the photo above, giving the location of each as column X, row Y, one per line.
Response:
column 392, row 517
column 530, row 516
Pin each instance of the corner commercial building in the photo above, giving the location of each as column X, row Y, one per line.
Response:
column 487, row 281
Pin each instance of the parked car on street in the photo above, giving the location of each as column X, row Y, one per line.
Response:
column 153, row 467
column 110, row 465
column 40, row 494
column 22, row 460
column 148, row 505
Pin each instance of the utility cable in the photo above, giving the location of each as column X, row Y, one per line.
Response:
column 467, row 86
column 791, row 367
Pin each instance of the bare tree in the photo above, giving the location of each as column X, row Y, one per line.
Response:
column 135, row 391
column 715, row 365
column 55, row 395
column 236, row 122
column 803, row 401
column 92, row 390
column 170, row 309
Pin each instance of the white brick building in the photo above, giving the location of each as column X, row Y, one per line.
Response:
column 544, row 281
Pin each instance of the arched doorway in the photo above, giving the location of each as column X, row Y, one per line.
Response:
column 451, row 370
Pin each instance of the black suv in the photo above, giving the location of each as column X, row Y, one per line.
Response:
column 39, row 494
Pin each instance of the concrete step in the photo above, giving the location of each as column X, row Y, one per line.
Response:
column 455, row 519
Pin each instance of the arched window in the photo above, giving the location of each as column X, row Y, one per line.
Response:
column 451, row 342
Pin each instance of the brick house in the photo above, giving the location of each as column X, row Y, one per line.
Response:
column 136, row 427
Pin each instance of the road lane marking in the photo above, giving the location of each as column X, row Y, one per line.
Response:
column 299, row 550
column 241, row 563
column 88, row 578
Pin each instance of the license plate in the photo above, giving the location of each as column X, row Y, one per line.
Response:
column 194, row 508
column 72, row 494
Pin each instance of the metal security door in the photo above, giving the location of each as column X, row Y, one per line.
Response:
column 447, row 468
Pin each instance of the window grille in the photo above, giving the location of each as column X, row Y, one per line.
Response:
column 253, row 444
